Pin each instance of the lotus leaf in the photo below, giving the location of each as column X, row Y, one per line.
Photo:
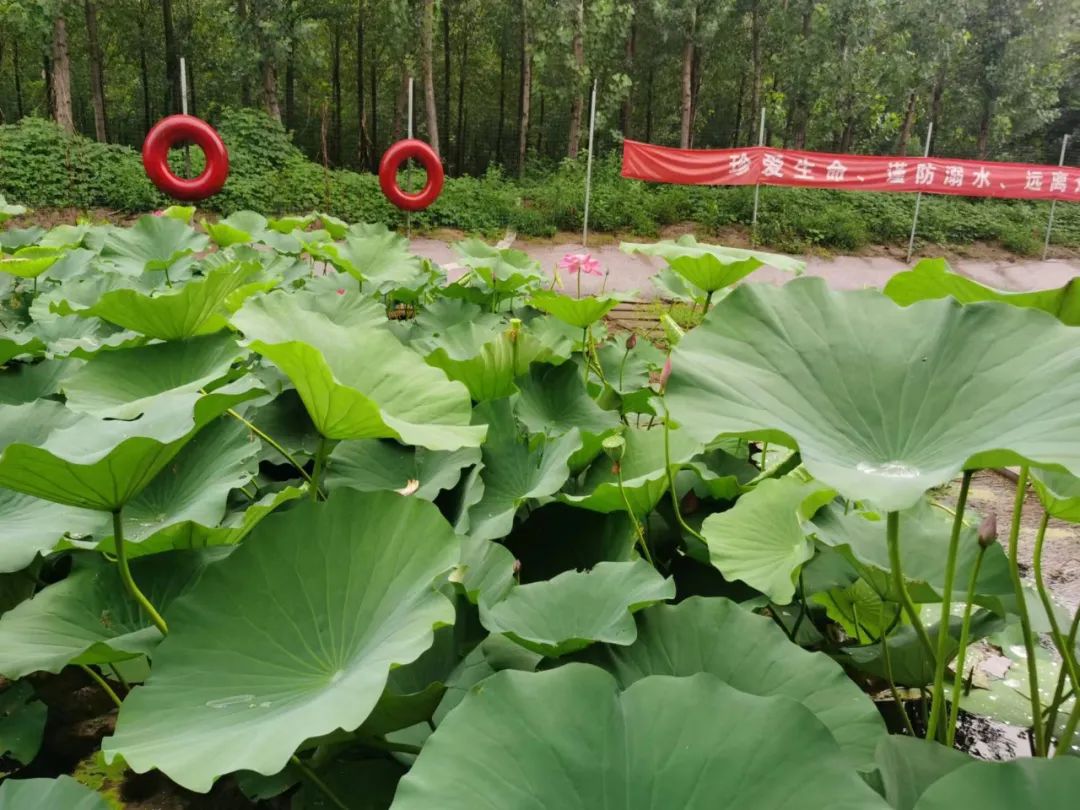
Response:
column 575, row 608
column 260, row 658
column 35, row 794
column 753, row 655
column 932, row 278
column 571, row 739
column 1049, row 784
column 881, row 420
column 359, row 383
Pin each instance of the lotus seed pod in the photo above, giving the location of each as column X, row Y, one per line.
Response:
column 988, row 531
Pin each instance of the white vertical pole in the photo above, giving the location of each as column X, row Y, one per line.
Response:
column 184, row 110
column 588, row 166
column 410, row 106
column 408, row 172
column 757, row 186
column 918, row 196
column 1053, row 203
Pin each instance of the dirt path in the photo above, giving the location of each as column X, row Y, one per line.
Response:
column 632, row 272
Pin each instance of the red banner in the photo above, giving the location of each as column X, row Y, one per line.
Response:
column 786, row 167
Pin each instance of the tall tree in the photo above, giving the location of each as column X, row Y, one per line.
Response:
column 172, row 59
column 363, row 139
column 97, row 71
column 577, row 99
column 525, row 97
column 60, row 75
column 686, row 107
column 427, row 30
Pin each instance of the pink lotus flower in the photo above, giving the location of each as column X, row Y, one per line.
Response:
column 341, row 291
column 159, row 213
column 580, row 263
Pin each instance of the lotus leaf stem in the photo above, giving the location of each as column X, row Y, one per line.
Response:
column 120, row 678
column 802, row 610
column 961, row 654
column 108, row 690
column 1068, row 655
column 392, row 747
column 887, row 658
column 1058, row 693
column 585, row 353
column 1037, row 728
column 285, row 453
column 892, row 534
column 1069, row 731
column 671, row 478
column 633, row 518
column 128, row 580
column 314, row 778
column 937, row 702
column 764, row 459
column 622, row 367
column 320, row 463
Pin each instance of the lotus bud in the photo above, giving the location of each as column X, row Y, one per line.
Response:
column 614, row 446
column 988, row 531
column 665, row 374
column 409, row 487
column 631, row 341
column 341, row 291
column 517, row 568
column 515, row 329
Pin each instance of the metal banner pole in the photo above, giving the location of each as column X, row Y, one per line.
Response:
column 588, row 167
column 757, row 186
column 918, row 196
column 1053, row 203
column 408, row 172
column 184, row 110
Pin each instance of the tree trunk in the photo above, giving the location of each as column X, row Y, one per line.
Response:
column 525, row 98
column 578, row 102
column 18, row 80
column 909, row 120
column 755, row 62
column 144, row 79
column 61, row 77
column 172, row 60
column 695, row 87
column 446, row 72
column 628, row 66
column 687, row 123
column 270, row 88
column 363, row 142
column 502, row 104
column 374, row 109
column 427, row 25
column 290, row 88
column 847, row 138
column 193, row 99
column 649, row 105
column 97, row 78
column 335, row 88
column 936, row 98
column 982, row 144
column 401, row 104
column 736, row 133
column 461, row 105
column 540, row 128
column 245, row 83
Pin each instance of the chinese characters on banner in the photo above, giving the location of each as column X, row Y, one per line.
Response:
column 786, row 167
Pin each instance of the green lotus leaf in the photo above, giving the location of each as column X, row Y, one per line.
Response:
column 861, row 609
column 183, row 213
column 9, row 210
column 485, row 360
column 750, row 653
column 30, row 526
column 761, row 540
column 365, row 784
column 22, row 723
column 376, row 255
column 1049, row 784
column 722, row 476
column 152, row 244
column 338, row 298
column 18, row 344
column 259, row 659
column 337, row 228
column 644, row 477
column 570, row 739
column 908, row 766
column 199, row 307
column 12, row 239
column 881, row 420
column 674, row 287
column 244, row 227
column 504, row 271
column 49, row 451
column 553, row 401
column 514, row 471
column 712, row 267
column 125, row 383
column 73, row 263
column 81, row 338
column 371, row 465
column 81, row 292
column 932, row 278
column 89, row 618
column 35, row 794
column 359, row 383
column 1059, row 493
column 29, row 262
column 24, row 383
column 568, row 612
column 290, row 224
column 923, row 534
column 580, row 312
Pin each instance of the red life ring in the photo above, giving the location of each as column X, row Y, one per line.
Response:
column 391, row 162
column 155, row 154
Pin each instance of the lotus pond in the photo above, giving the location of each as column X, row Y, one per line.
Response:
column 288, row 520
